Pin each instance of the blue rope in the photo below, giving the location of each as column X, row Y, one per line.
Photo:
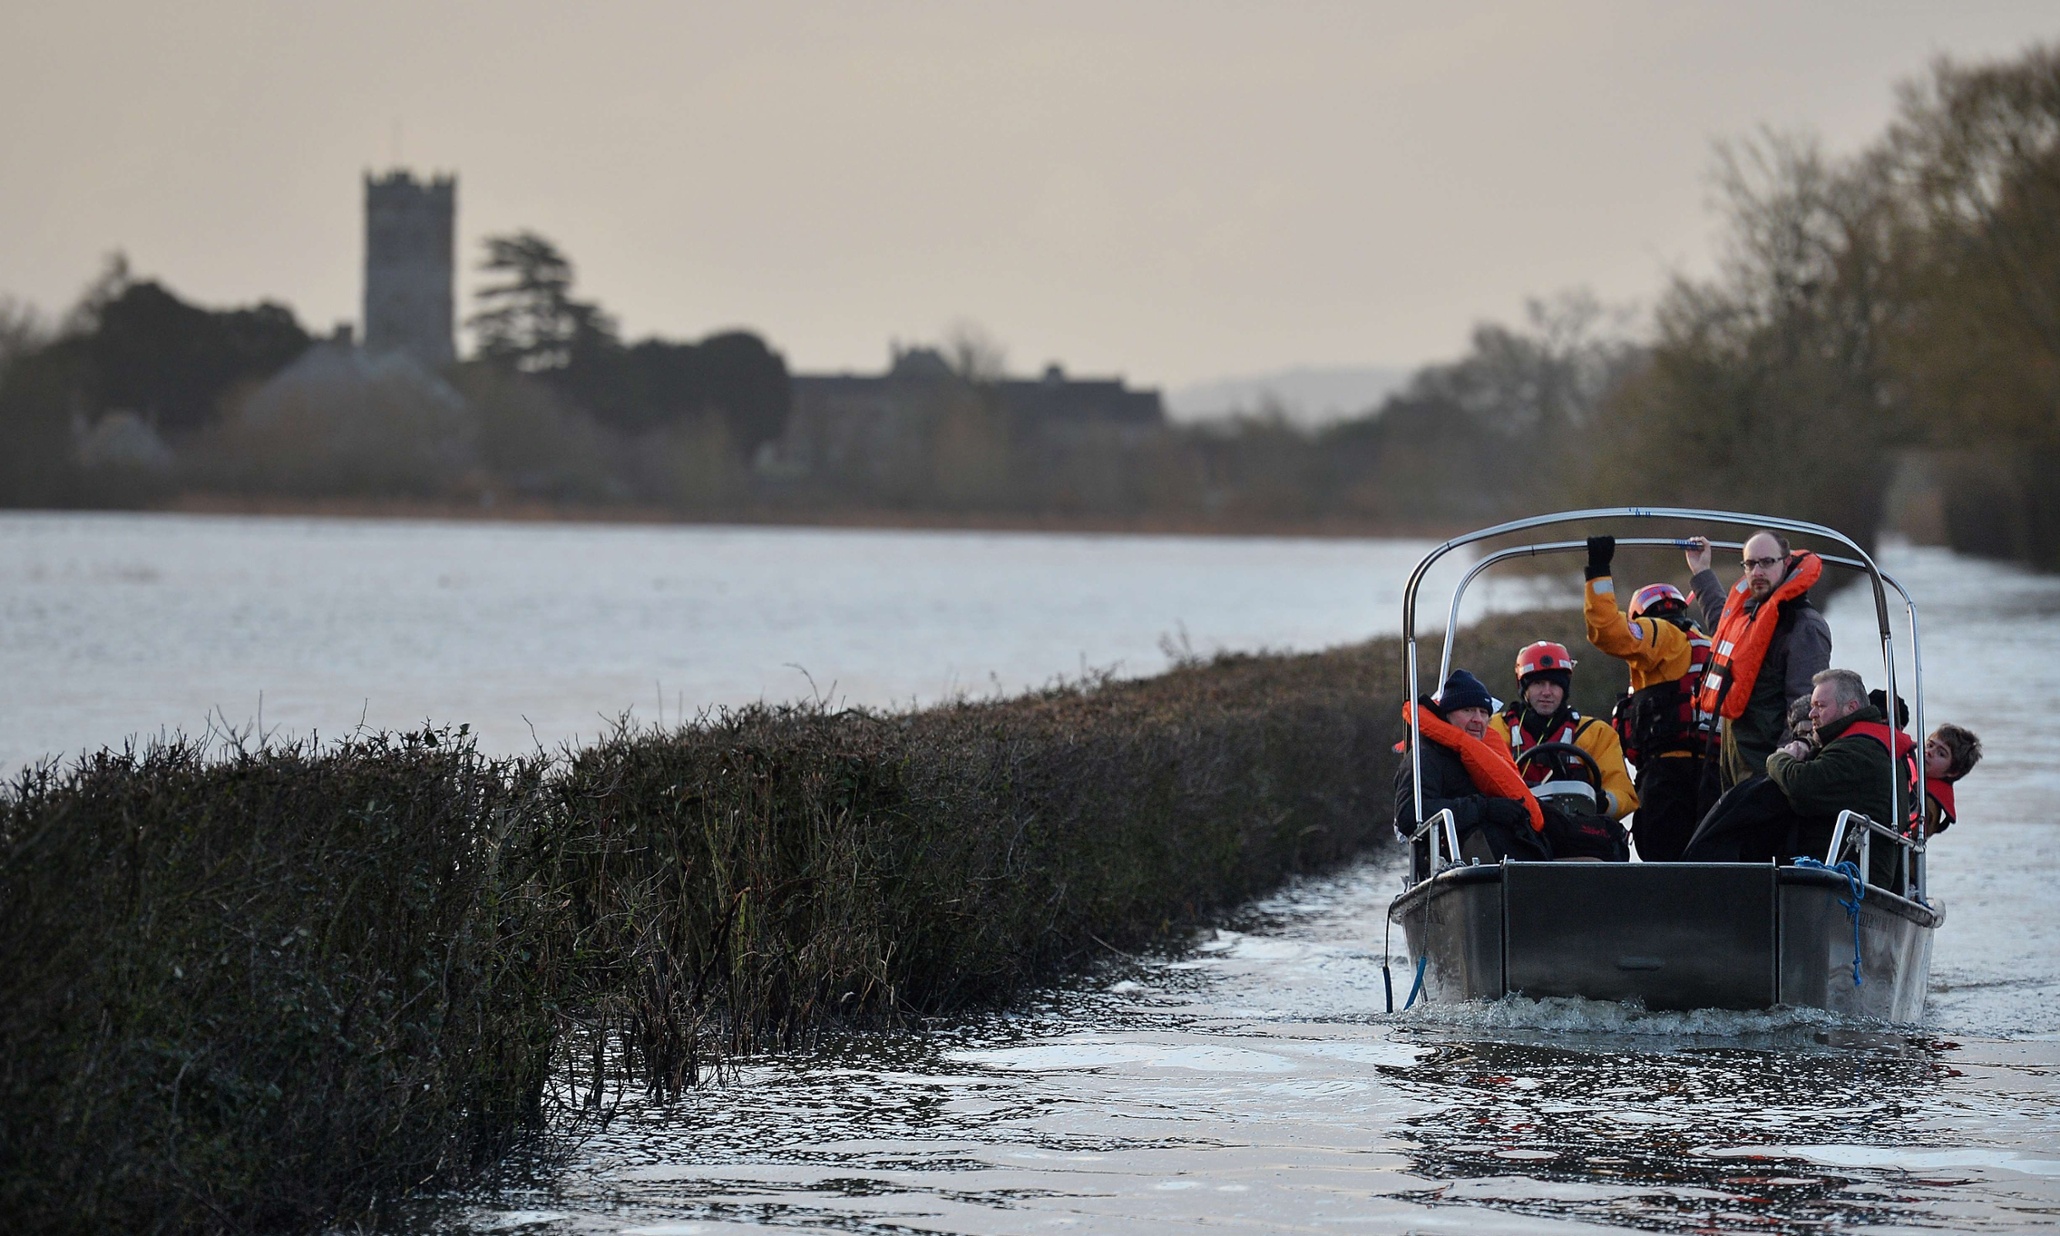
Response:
column 1417, row 986
column 1851, row 871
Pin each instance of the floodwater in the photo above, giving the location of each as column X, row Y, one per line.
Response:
column 1255, row 1082
column 116, row 625
column 1250, row 1080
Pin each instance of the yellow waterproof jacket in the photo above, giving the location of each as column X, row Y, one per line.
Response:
column 1600, row 742
column 1656, row 650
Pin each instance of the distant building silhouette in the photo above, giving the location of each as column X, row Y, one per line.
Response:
column 871, row 425
column 1056, row 398
column 410, row 249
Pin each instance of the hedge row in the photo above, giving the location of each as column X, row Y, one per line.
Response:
column 265, row 989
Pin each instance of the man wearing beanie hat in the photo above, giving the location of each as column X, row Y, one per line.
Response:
column 1541, row 714
column 1465, row 693
column 1490, row 825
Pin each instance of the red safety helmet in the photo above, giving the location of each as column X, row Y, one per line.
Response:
column 1541, row 656
column 1656, row 597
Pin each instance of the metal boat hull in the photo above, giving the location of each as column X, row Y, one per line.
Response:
column 1668, row 936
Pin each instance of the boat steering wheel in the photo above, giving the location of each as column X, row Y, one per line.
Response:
column 1567, row 760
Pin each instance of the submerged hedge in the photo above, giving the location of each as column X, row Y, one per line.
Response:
column 258, row 990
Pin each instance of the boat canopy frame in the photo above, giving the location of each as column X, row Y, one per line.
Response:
column 1859, row 560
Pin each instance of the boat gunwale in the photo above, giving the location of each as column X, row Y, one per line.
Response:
column 1921, row 914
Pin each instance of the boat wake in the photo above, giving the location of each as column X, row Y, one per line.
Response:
column 1574, row 1016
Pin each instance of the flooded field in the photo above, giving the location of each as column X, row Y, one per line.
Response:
column 536, row 634
column 1249, row 1079
column 1254, row 1082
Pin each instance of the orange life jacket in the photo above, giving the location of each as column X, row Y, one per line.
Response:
column 1902, row 749
column 1491, row 768
column 1742, row 639
column 1941, row 792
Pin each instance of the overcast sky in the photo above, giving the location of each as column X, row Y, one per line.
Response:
column 1174, row 191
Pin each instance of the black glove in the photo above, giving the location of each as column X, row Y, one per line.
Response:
column 1600, row 550
column 1507, row 812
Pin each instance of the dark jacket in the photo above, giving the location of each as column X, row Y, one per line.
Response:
column 1445, row 784
column 1501, row 825
column 1850, row 771
column 1801, row 648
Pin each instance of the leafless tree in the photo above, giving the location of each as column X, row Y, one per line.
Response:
column 974, row 354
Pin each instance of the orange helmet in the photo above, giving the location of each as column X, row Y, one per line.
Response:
column 1541, row 656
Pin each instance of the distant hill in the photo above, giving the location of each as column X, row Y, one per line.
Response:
column 1307, row 395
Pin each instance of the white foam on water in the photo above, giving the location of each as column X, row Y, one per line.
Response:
column 1519, row 1187
column 1572, row 1015
column 1379, row 1053
column 1083, row 1054
column 508, row 1220
column 1903, row 1158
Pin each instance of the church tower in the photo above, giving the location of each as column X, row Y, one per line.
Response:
column 410, row 247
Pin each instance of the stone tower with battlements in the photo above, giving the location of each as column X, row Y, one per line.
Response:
column 410, row 248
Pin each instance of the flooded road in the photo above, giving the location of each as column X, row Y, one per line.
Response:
column 1254, row 1084
column 1249, row 1080
column 1253, row 1081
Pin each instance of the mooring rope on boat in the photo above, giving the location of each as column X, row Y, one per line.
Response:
column 1851, row 871
column 1416, row 988
column 1387, row 978
column 1387, row 955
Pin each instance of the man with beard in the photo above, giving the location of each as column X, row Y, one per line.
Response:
column 1768, row 643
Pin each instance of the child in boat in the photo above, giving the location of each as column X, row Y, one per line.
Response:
column 1799, row 725
column 1793, row 810
column 1950, row 753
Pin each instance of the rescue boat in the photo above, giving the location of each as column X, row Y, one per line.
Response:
column 1671, row 936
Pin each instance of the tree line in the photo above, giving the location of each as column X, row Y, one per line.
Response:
column 555, row 405
column 137, row 395
column 1899, row 302
column 1906, row 297
column 1897, row 305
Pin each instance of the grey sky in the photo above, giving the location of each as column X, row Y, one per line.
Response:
column 1175, row 191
